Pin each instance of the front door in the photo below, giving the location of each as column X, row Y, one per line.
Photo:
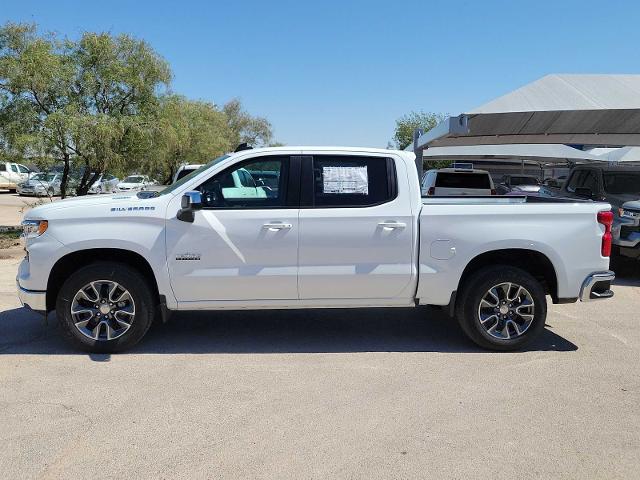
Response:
column 243, row 244
column 356, row 229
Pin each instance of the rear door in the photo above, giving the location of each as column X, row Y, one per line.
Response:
column 460, row 183
column 356, row 228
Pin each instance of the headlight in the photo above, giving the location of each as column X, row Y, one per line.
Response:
column 34, row 228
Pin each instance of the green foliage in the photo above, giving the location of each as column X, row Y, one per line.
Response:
column 89, row 101
column 256, row 131
column 406, row 125
column 99, row 103
column 187, row 131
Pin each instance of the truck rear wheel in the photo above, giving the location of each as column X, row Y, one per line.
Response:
column 502, row 308
column 105, row 307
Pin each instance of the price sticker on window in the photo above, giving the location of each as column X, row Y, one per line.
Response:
column 345, row 180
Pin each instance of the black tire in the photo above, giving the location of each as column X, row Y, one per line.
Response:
column 474, row 290
column 130, row 279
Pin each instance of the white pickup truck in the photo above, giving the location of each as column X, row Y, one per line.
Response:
column 310, row 227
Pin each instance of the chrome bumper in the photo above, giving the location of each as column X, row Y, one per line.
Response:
column 35, row 300
column 597, row 286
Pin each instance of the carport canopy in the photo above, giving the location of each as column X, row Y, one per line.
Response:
column 556, row 109
column 536, row 152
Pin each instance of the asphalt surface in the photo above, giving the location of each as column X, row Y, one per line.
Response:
column 389, row 393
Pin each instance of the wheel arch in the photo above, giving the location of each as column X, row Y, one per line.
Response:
column 73, row 261
column 531, row 261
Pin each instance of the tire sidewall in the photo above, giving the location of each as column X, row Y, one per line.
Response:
column 476, row 288
column 131, row 280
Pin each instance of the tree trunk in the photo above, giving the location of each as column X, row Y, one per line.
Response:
column 65, row 176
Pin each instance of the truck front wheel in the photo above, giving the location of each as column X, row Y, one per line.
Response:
column 105, row 307
column 502, row 308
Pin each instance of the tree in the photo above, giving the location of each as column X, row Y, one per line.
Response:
column 407, row 124
column 187, row 132
column 256, row 131
column 87, row 103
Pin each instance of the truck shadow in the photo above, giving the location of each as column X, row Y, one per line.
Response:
column 422, row 329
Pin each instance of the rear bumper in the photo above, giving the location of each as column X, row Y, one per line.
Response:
column 32, row 299
column 597, row 286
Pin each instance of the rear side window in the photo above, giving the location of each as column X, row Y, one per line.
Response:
column 622, row 183
column 463, row 180
column 3, row 167
column 352, row 181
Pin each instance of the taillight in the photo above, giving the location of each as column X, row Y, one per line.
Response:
column 431, row 191
column 606, row 218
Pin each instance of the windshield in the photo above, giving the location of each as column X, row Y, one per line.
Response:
column 133, row 179
column 43, row 177
column 622, row 183
column 524, row 181
column 186, row 178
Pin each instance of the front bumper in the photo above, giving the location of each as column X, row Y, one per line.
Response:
column 597, row 286
column 32, row 299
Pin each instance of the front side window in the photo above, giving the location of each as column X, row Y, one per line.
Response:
column 23, row 169
column 256, row 183
column 352, row 181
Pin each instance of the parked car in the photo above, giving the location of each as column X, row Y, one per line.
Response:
column 104, row 184
column 613, row 184
column 134, row 182
column 457, row 181
column 626, row 233
column 41, row 184
column 12, row 174
column 185, row 170
column 346, row 227
column 519, row 184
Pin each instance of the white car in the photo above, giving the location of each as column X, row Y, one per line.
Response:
column 334, row 227
column 457, row 181
column 185, row 170
column 105, row 183
column 41, row 184
column 134, row 182
column 12, row 174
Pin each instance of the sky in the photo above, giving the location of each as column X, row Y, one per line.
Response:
column 336, row 72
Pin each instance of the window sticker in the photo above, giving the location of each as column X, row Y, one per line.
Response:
column 352, row 180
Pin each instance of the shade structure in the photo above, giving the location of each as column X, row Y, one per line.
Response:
column 541, row 153
column 623, row 155
column 558, row 109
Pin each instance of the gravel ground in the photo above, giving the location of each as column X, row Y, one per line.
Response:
column 389, row 393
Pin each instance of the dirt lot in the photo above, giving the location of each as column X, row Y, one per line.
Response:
column 392, row 393
column 13, row 207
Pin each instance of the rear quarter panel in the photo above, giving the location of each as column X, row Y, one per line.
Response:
column 452, row 235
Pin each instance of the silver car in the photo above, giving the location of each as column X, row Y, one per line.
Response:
column 41, row 184
column 104, row 184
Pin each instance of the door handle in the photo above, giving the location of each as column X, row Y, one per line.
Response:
column 392, row 225
column 276, row 226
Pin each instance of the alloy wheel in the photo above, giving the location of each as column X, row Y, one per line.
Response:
column 506, row 311
column 103, row 310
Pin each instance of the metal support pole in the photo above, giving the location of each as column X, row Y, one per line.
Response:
column 417, row 133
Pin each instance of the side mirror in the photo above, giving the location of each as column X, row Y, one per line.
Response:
column 584, row 192
column 190, row 202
